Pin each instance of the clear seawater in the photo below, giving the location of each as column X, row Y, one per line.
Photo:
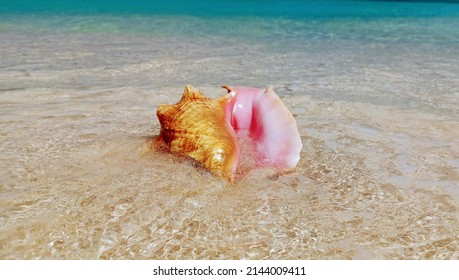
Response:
column 373, row 86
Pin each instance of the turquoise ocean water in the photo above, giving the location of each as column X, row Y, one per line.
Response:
column 233, row 8
column 228, row 17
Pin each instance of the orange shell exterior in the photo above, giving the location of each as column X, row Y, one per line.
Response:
column 196, row 127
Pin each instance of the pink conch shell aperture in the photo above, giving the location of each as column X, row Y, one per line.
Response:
column 262, row 116
column 206, row 129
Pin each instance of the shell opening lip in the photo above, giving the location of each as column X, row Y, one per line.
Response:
column 262, row 115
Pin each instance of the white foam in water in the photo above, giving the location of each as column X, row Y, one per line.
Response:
column 376, row 105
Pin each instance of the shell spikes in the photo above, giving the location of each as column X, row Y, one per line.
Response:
column 196, row 127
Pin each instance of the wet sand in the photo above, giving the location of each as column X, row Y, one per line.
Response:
column 378, row 176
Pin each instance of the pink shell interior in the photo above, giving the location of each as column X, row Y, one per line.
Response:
column 261, row 115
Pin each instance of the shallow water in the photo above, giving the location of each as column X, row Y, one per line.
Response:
column 377, row 112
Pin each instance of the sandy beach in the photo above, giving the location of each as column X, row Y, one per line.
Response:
column 378, row 176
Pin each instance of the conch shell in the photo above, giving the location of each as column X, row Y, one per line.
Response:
column 206, row 129
column 196, row 127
